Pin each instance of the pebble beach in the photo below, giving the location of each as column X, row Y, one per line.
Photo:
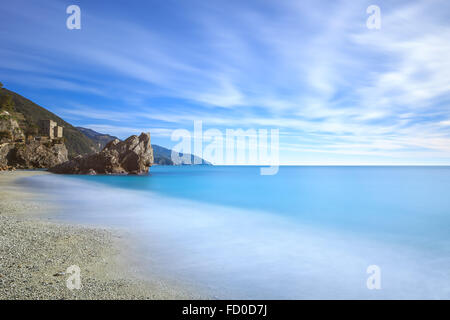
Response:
column 35, row 254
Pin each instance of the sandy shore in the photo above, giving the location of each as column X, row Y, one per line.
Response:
column 35, row 254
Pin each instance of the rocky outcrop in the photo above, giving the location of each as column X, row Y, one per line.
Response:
column 37, row 155
column 6, row 153
column 31, row 155
column 132, row 156
column 15, row 153
column 9, row 128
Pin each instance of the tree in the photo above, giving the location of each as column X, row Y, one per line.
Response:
column 7, row 103
column 1, row 85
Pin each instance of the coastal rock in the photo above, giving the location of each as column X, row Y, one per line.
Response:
column 31, row 155
column 38, row 155
column 16, row 153
column 5, row 155
column 132, row 156
column 9, row 128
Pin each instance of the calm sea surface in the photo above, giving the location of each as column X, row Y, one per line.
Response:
column 306, row 232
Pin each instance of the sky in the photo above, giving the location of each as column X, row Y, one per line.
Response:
column 337, row 91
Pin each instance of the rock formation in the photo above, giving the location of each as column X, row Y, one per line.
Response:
column 38, row 155
column 15, row 153
column 132, row 156
column 9, row 128
column 6, row 153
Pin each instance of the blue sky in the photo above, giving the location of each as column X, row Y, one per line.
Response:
column 338, row 92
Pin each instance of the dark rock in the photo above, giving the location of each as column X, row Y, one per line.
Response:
column 61, row 273
column 37, row 155
column 9, row 128
column 6, row 153
column 132, row 156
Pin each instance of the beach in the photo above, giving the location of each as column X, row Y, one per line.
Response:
column 35, row 253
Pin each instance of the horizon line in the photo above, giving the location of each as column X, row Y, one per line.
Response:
column 326, row 165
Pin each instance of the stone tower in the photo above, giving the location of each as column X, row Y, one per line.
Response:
column 50, row 129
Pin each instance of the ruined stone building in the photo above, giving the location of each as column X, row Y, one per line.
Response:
column 50, row 129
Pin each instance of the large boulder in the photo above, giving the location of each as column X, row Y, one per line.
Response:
column 32, row 155
column 132, row 156
column 38, row 155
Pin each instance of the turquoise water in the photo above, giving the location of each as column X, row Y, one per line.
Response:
column 408, row 200
column 307, row 232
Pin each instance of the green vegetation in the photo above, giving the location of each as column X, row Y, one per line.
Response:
column 30, row 129
column 7, row 103
column 76, row 142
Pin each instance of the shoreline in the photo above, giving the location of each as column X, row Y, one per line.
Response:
column 35, row 254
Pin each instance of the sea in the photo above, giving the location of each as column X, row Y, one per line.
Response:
column 307, row 232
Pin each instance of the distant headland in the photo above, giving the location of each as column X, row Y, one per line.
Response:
column 32, row 137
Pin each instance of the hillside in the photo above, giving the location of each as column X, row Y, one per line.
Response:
column 162, row 156
column 165, row 155
column 100, row 139
column 76, row 142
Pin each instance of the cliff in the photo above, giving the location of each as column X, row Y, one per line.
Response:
column 16, row 153
column 132, row 156
column 9, row 128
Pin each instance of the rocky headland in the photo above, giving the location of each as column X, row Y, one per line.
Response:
column 131, row 156
column 18, row 151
